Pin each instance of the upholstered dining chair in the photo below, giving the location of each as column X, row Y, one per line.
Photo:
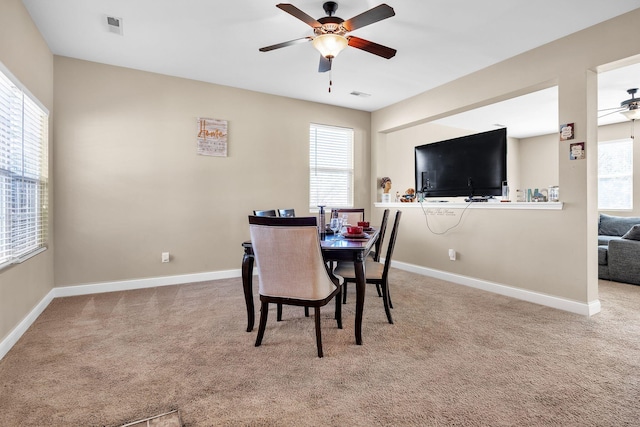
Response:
column 292, row 270
column 270, row 212
column 375, row 272
column 286, row 213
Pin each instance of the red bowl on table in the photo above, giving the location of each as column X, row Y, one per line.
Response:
column 353, row 230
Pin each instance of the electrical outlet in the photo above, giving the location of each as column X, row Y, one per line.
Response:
column 165, row 256
column 452, row 254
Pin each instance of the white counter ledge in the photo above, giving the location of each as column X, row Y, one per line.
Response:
column 475, row 205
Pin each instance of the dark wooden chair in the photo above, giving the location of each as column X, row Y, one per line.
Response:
column 292, row 270
column 286, row 213
column 375, row 272
column 383, row 227
column 375, row 254
column 270, row 212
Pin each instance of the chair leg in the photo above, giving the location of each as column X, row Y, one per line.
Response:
column 378, row 289
column 339, row 309
column 279, row 311
column 318, row 332
column 306, row 312
column 385, row 298
column 264, row 312
column 344, row 292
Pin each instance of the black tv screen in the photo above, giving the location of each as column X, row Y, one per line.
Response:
column 473, row 165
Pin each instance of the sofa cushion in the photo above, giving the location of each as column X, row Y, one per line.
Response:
column 602, row 254
column 604, row 240
column 633, row 234
column 611, row 225
column 622, row 261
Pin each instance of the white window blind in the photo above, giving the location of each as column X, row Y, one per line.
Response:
column 23, row 172
column 615, row 174
column 331, row 166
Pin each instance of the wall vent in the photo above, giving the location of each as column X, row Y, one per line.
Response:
column 114, row 24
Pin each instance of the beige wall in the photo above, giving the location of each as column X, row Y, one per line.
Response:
column 550, row 252
column 129, row 184
column 539, row 161
column 26, row 55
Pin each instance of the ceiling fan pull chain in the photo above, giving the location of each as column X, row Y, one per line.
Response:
column 330, row 79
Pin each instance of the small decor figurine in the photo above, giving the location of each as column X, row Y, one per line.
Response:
column 409, row 196
column 385, row 184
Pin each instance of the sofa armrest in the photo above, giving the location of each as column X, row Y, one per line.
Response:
column 624, row 261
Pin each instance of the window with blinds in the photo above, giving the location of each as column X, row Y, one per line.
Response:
column 23, row 172
column 330, row 166
column 615, row 174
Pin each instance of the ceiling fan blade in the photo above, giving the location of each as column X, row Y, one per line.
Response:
column 371, row 47
column 294, row 11
column 376, row 14
column 619, row 110
column 325, row 65
column 285, row 44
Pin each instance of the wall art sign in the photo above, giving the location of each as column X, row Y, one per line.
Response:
column 576, row 151
column 567, row 132
column 212, row 137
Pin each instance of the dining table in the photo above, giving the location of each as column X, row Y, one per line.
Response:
column 334, row 249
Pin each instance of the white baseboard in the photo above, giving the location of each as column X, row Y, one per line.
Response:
column 13, row 337
column 586, row 309
column 96, row 288
column 151, row 282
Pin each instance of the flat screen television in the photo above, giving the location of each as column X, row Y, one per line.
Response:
column 472, row 165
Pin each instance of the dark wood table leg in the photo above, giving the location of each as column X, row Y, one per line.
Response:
column 247, row 286
column 360, row 291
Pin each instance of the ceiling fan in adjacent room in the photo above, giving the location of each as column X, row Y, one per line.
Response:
column 630, row 108
column 330, row 32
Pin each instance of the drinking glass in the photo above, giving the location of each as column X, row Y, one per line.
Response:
column 334, row 225
column 344, row 222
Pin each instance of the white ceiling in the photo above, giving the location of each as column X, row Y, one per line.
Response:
column 437, row 41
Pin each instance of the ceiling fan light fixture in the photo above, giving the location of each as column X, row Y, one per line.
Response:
column 632, row 114
column 330, row 45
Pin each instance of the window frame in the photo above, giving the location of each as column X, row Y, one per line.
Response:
column 24, row 172
column 629, row 176
column 335, row 135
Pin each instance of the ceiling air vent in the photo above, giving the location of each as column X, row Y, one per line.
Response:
column 361, row 94
column 114, row 24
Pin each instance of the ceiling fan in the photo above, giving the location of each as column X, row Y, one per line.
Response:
column 330, row 32
column 630, row 107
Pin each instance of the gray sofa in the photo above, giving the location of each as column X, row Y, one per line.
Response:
column 619, row 248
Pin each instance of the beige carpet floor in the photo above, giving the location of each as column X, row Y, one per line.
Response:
column 455, row 356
